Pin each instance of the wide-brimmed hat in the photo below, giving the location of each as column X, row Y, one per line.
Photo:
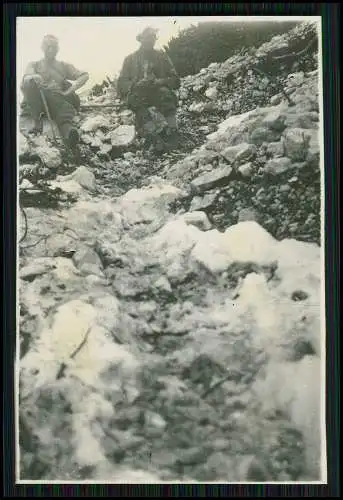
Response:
column 147, row 33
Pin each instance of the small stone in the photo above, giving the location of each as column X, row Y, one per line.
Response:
column 123, row 136
column 260, row 192
column 212, row 179
column 31, row 271
column 292, row 180
column 263, row 134
column 301, row 120
column 295, row 79
column 155, row 420
column 256, row 471
column 92, row 279
column 85, row 178
column 126, row 117
column 198, row 219
column 211, row 93
column 299, row 295
column 275, row 149
column 163, row 284
column 296, row 142
column 284, row 188
column 220, row 466
column 197, row 107
column 313, row 154
column 240, row 153
column 94, row 123
column 26, row 184
column 246, row 170
column 247, row 214
column 60, row 245
column 192, row 456
column 276, row 99
column 201, row 203
column 51, row 157
column 277, row 166
column 275, row 120
column 299, row 165
column 88, row 261
column 106, row 148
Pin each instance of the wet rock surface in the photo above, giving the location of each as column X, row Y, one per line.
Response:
column 170, row 305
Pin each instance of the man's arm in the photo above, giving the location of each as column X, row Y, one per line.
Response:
column 30, row 75
column 170, row 77
column 79, row 77
column 125, row 79
column 30, row 70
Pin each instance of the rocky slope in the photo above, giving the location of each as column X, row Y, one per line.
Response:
column 170, row 306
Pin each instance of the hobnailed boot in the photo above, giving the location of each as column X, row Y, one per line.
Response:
column 74, row 138
column 159, row 145
column 37, row 128
column 70, row 135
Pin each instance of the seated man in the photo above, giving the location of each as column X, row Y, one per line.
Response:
column 46, row 84
column 147, row 83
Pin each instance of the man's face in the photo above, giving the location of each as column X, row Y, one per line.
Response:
column 149, row 42
column 50, row 48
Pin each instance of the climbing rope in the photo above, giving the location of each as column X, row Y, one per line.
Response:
column 23, row 212
column 25, row 222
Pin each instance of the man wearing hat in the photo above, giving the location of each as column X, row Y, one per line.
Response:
column 147, row 83
column 47, row 89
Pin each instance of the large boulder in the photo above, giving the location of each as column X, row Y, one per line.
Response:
column 275, row 120
column 243, row 242
column 203, row 202
column 49, row 155
column 296, row 144
column 277, row 166
column 85, row 178
column 81, row 178
column 275, row 149
column 240, row 153
column 123, row 136
column 147, row 205
column 89, row 219
column 196, row 218
column 211, row 179
column 88, row 262
column 94, row 123
column 259, row 135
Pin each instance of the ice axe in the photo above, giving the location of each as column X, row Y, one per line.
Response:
column 47, row 112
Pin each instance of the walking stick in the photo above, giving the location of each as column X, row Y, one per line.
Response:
column 45, row 104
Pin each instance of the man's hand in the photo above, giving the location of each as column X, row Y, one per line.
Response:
column 141, row 83
column 161, row 81
column 35, row 78
column 148, row 79
column 68, row 91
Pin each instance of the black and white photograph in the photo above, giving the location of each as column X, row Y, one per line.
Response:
column 170, row 250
